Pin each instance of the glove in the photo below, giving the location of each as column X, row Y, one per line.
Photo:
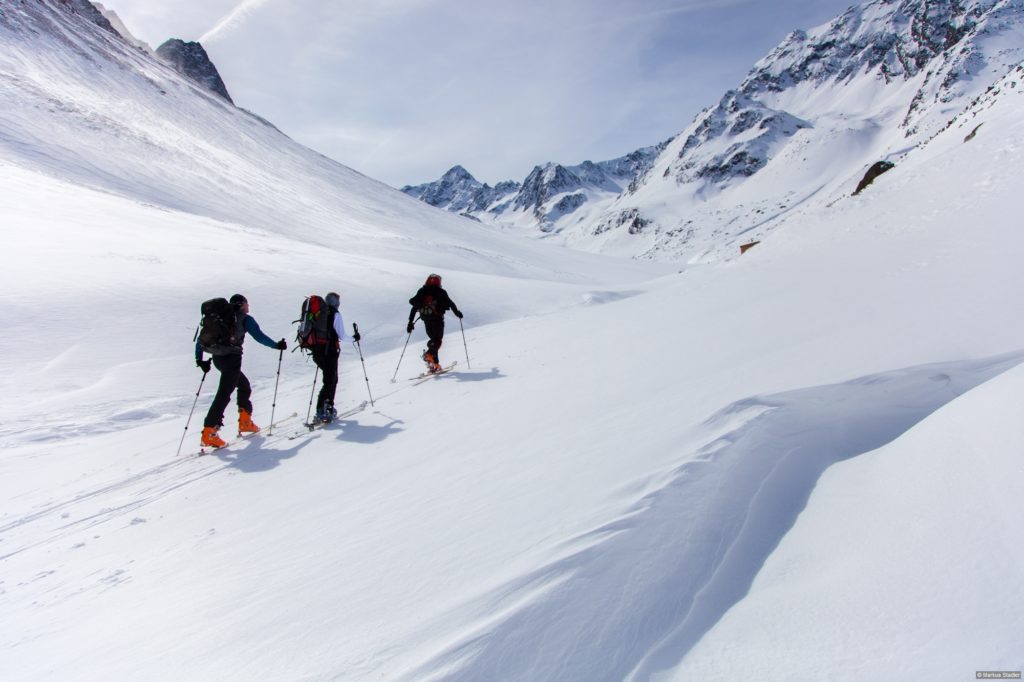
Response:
column 356, row 337
column 458, row 313
column 204, row 365
column 409, row 328
column 281, row 345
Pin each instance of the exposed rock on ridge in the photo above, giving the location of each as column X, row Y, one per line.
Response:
column 191, row 60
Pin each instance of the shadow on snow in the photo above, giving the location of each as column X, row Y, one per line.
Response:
column 631, row 598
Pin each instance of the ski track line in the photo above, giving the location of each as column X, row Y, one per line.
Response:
column 103, row 490
column 215, row 466
column 161, row 485
column 114, row 486
column 109, row 513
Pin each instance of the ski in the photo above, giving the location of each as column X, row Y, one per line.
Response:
column 207, row 449
column 311, row 427
column 282, row 420
column 279, row 422
column 431, row 375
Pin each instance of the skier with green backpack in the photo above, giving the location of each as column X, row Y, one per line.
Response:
column 321, row 331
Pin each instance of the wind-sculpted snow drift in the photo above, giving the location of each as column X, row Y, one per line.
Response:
column 629, row 599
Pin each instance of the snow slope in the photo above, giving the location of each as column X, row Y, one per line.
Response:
column 794, row 465
column 83, row 105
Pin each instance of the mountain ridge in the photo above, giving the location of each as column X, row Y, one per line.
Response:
column 812, row 116
column 459, row 192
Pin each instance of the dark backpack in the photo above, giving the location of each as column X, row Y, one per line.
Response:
column 430, row 307
column 218, row 325
column 314, row 323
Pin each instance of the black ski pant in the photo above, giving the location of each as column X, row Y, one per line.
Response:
column 231, row 378
column 435, row 337
column 326, row 358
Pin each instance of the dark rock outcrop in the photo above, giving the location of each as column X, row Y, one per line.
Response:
column 876, row 169
column 89, row 11
column 629, row 216
column 191, row 60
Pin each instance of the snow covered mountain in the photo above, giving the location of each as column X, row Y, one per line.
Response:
column 816, row 112
column 459, row 192
column 548, row 194
column 811, row 117
column 86, row 105
column 802, row 464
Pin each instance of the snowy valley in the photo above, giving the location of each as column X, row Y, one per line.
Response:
column 800, row 463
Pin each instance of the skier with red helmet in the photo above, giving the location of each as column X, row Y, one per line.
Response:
column 431, row 302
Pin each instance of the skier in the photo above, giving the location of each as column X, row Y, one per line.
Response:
column 227, row 358
column 431, row 302
column 326, row 355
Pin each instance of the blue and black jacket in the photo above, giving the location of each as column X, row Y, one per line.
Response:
column 246, row 324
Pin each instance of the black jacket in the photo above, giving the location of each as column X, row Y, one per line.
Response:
column 431, row 302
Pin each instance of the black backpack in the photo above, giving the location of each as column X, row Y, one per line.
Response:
column 218, row 326
column 315, row 323
column 430, row 307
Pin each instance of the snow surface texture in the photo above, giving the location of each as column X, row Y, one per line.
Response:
column 801, row 464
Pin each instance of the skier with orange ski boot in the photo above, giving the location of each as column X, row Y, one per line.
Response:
column 431, row 302
column 221, row 333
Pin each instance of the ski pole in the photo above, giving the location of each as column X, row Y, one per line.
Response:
column 403, row 354
column 273, row 406
column 355, row 328
column 315, row 372
column 464, row 343
column 187, row 422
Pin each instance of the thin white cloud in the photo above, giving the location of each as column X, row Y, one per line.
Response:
column 404, row 89
column 232, row 18
column 644, row 17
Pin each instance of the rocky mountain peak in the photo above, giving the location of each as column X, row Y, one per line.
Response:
column 543, row 183
column 550, row 191
column 896, row 39
column 459, row 192
column 458, row 173
column 926, row 42
column 192, row 61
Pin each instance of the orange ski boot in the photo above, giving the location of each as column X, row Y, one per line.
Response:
column 211, row 439
column 432, row 365
column 245, row 423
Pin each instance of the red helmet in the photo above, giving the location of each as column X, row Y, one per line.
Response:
column 434, row 280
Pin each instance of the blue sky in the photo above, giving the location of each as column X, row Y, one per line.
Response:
column 402, row 90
